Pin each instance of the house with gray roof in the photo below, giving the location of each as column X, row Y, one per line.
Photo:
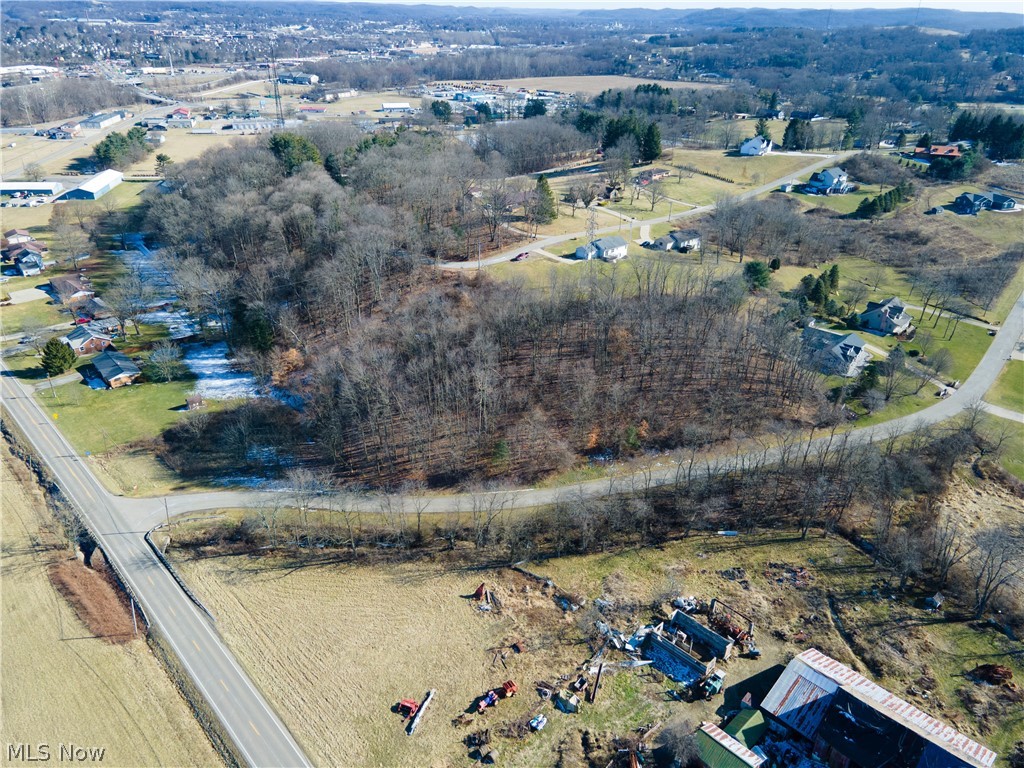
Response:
column 888, row 316
column 610, row 248
column 834, row 354
column 116, row 369
column 831, row 181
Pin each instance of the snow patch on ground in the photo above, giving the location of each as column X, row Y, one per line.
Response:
column 256, row 483
column 216, row 379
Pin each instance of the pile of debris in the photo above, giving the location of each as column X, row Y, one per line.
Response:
column 736, row 574
column 487, row 601
column 993, row 674
column 786, row 574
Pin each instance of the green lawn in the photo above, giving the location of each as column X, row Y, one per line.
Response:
column 99, row 420
column 15, row 317
column 840, row 203
column 1008, row 391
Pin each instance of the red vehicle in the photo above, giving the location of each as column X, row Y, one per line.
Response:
column 82, row 319
column 408, row 708
column 520, row 257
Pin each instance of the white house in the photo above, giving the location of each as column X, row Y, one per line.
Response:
column 758, row 145
column 607, row 248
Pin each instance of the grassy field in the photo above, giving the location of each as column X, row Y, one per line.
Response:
column 1008, row 391
column 839, row 203
column 744, row 171
column 129, row 413
column 436, row 639
column 181, row 146
column 62, row 685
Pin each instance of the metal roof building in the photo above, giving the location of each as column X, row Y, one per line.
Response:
column 826, row 702
column 96, row 187
column 717, row 749
column 31, row 187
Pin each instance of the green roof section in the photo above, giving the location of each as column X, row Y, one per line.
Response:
column 714, row 755
column 747, row 727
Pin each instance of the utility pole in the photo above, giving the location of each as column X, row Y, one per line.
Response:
column 167, row 519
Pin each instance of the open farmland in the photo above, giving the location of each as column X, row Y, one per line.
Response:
column 62, row 683
column 394, row 631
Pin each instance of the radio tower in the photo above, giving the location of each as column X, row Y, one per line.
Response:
column 277, row 89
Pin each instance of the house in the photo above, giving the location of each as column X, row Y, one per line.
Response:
column 298, row 78
column 686, row 240
column 29, row 265
column 834, row 353
column 99, row 121
column 65, row 132
column 155, row 138
column 608, row 248
column 807, row 114
column 885, row 317
column 1003, row 203
column 663, row 243
column 770, row 114
column 970, row 203
column 180, row 121
column 181, row 112
column 23, row 249
column 15, row 236
column 86, row 341
column 831, row 181
column 758, row 145
column 70, row 290
column 116, row 369
column 96, row 187
column 96, row 308
column 732, row 746
column 951, row 151
column 654, row 174
column 851, row 721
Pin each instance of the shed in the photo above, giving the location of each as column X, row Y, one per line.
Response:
column 935, row 601
column 31, row 187
column 194, row 402
column 717, row 749
column 747, row 727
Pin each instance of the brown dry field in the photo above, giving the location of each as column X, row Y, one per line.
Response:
column 589, row 84
column 62, row 683
column 336, row 645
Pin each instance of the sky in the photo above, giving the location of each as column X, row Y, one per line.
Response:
column 1007, row 6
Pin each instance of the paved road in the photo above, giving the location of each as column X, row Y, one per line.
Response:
column 260, row 736
column 547, row 242
column 972, row 391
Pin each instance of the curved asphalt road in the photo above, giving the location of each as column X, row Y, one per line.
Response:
column 257, row 732
column 120, row 525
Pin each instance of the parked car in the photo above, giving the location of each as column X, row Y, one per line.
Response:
column 520, row 257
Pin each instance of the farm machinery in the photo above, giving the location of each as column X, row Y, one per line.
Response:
column 507, row 690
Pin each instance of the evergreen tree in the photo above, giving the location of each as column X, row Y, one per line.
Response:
column 535, row 108
column 762, row 130
column 924, row 141
column 757, row 274
column 833, row 278
column 58, row 357
column 819, row 293
column 901, row 140
column 547, row 209
column 292, row 150
column 442, row 110
column 650, row 146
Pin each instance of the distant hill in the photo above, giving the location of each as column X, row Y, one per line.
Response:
column 934, row 18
